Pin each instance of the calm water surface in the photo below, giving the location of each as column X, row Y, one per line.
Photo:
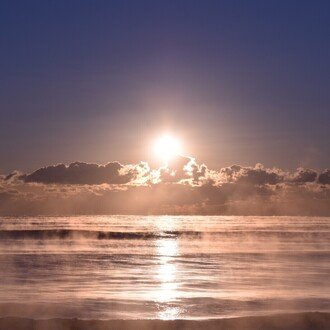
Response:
column 166, row 267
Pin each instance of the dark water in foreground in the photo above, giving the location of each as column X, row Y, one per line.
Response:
column 129, row 267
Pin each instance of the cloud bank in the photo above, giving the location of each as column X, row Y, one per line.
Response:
column 180, row 187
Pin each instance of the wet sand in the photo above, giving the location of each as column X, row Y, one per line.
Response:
column 299, row 321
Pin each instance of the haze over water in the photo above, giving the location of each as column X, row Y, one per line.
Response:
column 133, row 267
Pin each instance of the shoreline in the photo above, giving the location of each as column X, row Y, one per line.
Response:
column 296, row 321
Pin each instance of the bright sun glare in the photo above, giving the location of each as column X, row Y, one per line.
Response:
column 166, row 147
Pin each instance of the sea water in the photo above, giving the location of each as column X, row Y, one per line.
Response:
column 163, row 267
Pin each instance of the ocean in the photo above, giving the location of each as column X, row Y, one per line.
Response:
column 163, row 267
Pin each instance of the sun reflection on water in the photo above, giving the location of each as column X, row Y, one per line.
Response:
column 166, row 274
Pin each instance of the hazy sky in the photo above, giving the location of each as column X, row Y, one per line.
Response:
column 96, row 81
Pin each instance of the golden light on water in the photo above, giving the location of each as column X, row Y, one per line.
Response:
column 166, row 274
column 167, row 249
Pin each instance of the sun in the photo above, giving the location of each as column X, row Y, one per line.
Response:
column 167, row 147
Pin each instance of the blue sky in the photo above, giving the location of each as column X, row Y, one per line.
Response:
column 238, row 81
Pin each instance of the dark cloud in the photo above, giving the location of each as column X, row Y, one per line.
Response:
column 324, row 177
column 260, row 176
column 303, row 175
column 257, row 175
column 82, row 173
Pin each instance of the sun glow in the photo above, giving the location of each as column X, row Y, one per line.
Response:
column 167, row 147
